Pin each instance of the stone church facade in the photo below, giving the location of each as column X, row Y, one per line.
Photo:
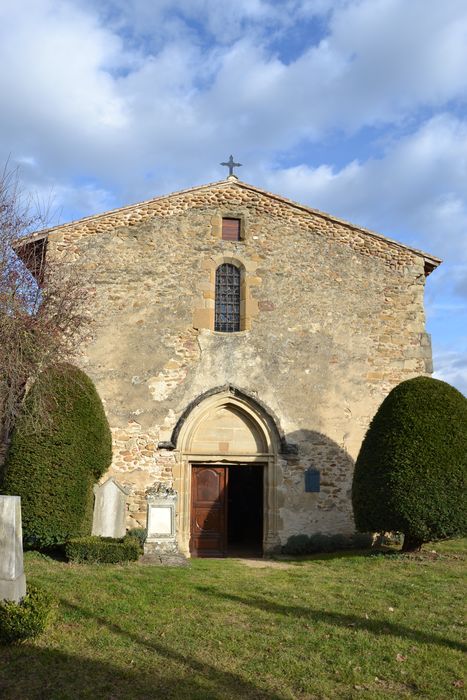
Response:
column 254, row 419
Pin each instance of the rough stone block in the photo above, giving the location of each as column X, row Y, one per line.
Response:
column 202, row 318
column 12, row 579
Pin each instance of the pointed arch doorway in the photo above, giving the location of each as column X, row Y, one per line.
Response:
column 226, row 475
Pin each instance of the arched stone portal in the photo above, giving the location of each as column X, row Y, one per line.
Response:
column 227, row 427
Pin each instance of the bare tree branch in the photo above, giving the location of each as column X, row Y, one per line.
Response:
column 43, row 315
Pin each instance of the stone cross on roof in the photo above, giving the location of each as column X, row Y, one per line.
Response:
column 231, row 165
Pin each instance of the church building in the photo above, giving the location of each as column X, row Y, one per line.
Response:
column 241, row 344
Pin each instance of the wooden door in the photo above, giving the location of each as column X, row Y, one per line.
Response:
column 208, row 511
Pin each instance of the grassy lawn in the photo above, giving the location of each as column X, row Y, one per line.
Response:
column 352, row 626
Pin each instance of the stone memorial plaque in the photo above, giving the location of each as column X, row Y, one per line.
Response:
column 162, row 536
column 160, row 520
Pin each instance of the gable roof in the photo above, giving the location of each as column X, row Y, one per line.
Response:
column 137, row 213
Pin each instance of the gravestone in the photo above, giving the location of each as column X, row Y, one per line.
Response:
column 12, row 578
column 109, row 509
column 161, row 541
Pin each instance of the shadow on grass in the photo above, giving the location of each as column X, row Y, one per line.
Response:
column 42, row 673
column 377, row 627
column 56, row 553
column 31, row 673
column 338, row 554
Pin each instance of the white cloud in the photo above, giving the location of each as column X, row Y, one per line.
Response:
column 451, row 367
column 223, row 22
column 402, row 55
column 416, row 189
column 59, row 98
column 80, row 97
column 378, row 59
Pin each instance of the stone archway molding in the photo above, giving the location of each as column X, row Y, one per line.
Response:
column 284, row 447
column 186, row 451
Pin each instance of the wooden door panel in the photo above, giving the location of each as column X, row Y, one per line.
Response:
column 208, row 520
column 208, row 485
column 208, row 511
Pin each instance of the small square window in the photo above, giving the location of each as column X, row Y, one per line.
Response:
column 230, row 229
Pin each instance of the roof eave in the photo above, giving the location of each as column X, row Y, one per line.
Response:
column 431, row 261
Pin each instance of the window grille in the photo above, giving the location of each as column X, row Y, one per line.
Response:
column 227, row 312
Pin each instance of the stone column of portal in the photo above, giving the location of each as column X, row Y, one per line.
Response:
column 12, row 578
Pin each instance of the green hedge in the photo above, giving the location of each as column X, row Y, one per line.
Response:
column 24, row 620
column 60, row 448
column 410, row 474
column 140, row 534
column 103, row 550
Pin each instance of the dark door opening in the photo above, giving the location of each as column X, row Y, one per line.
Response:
column 245, row 510
column 227, row 510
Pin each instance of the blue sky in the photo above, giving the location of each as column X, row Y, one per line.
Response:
column 356, row 107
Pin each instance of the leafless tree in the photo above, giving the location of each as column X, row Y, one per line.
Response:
column 42, row 302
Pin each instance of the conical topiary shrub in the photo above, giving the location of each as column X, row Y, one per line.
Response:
column 410, row 474
column 59, row 449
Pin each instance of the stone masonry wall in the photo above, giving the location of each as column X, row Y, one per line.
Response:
column 334, row 319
